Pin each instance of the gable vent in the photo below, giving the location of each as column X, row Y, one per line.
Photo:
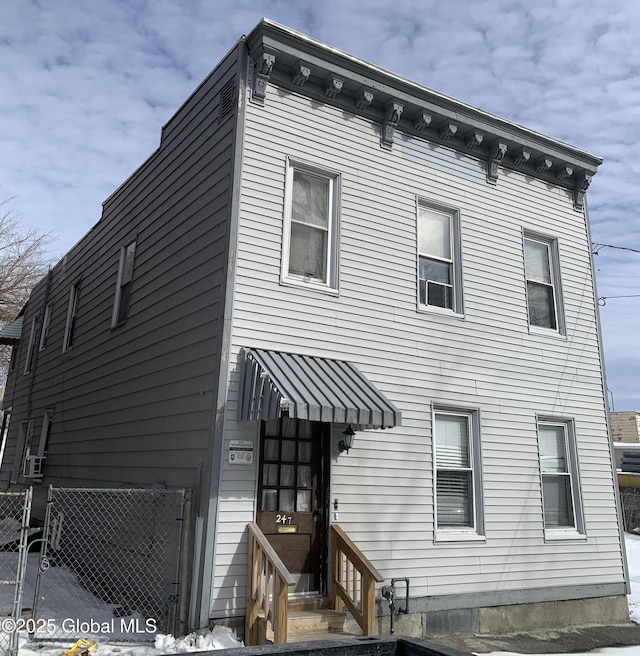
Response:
column 227, row 99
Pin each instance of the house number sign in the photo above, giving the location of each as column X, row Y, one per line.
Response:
column 240, row 452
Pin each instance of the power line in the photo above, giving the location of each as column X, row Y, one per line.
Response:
column 602, row 301
column 598, row 247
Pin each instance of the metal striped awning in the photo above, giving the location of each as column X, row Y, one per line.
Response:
column 11, row 333
column 275, row 384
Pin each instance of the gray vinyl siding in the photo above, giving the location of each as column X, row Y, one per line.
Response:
column 134, row 405
column 488, row 359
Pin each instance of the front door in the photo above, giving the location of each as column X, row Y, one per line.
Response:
column 292, row 497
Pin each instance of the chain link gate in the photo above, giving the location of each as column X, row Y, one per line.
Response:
column 110, row 564
column 15, row 511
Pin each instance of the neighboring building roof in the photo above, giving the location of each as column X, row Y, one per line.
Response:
column 276, row 384
column 625, row 426
column 11, row 333
column 295, row 61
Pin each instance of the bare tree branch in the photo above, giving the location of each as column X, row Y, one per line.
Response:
column 23, row 262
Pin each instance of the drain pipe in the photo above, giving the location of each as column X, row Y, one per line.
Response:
column 388, row 592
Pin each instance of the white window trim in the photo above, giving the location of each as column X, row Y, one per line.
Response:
column 578, row 532
column 46, row 323
column 462, row 534
column 72, row 312
column 6, row 423
column 25, row 436
column 554, row 268
column 28, row 363
column 456, row 259
column 331, row 286
column 118, row 294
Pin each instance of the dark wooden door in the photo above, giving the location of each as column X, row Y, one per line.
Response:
column 292, row 498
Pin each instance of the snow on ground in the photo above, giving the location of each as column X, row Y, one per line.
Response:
column 223, row 638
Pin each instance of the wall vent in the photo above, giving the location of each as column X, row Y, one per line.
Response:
column 227, row 99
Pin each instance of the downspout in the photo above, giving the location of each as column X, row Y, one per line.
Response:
column 623, row 550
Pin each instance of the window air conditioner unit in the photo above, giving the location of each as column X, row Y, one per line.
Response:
column 34, row 466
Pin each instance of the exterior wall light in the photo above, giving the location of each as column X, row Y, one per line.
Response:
column 346, row 443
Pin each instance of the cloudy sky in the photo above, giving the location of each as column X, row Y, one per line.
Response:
column 85, row 87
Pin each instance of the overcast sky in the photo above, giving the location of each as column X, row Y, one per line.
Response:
column 85, row 87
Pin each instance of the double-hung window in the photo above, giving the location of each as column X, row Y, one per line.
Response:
column 439, row 270
column 541, row 265
column 562, row 509
column 123, row 286
column 72, row 315
column 310, row 241
column 458, row 478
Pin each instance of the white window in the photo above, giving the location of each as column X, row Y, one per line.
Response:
column 123, row 286
column 6, row 421
column 562, row 509
column 25, row 437
column 310, row 241
column 458, row 478
column 46, row 322
column 72, row 313
column 542, row 273
column 32, row 344
column 439, row 261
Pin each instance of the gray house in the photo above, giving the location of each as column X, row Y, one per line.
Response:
column 356, row 317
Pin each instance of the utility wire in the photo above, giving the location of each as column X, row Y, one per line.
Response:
column 602, row 301
column 598, row 247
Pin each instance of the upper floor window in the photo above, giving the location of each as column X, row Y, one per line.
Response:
column 560, row 482
column 458, row 488
column 46, row 322
column 123, row 288
column 439, row 265
column 32, row 344
column 72, row 313
column 310, row 243
column 541, row 265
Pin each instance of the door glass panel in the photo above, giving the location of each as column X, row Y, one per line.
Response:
column 288, row 427
column 270, row 475
column 304, row 501
column 304, row 476
column 304, row 430
column 288, row 451
column 287, row 475
column 272, row 428
column 271, row 449
column 269, row 500
column 286, row 500
column 304, row 452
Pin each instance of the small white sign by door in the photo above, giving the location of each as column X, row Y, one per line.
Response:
column 240, row 452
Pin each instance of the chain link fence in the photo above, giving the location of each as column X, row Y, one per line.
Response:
column 110, row 564
column 630, row 499
column 15, row 509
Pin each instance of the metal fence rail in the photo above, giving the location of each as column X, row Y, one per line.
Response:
column 110, row 564
column 630, row 499
column 15, row 510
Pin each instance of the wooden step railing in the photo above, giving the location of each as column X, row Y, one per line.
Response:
column 268, row 582
column 353, row 581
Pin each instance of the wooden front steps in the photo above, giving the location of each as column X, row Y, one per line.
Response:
column 310, row 618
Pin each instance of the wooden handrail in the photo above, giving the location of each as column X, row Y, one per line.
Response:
column 353, row 580
column 268, row 582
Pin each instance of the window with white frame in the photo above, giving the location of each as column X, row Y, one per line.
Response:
column 46, row 322
column 542, row 273
column 6, row 421
column 123, row 286
column 310, row 242
column 562, row 509
column 439, row 266
column 458, row 477
column 31, row 349
column 72, row 313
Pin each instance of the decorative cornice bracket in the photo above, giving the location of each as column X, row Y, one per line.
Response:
column 261, row 76
column 447, row 131
column 364, row 98
column 564, row 172
column 333, row 86
column 543, row 165
column 579, row 191
column 521, row 157
column 422, row 121
column 496, row 156
column 301, row 73
column 473, row 139
column 390, row 123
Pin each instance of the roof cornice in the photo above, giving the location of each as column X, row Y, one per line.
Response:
column 296, row 62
